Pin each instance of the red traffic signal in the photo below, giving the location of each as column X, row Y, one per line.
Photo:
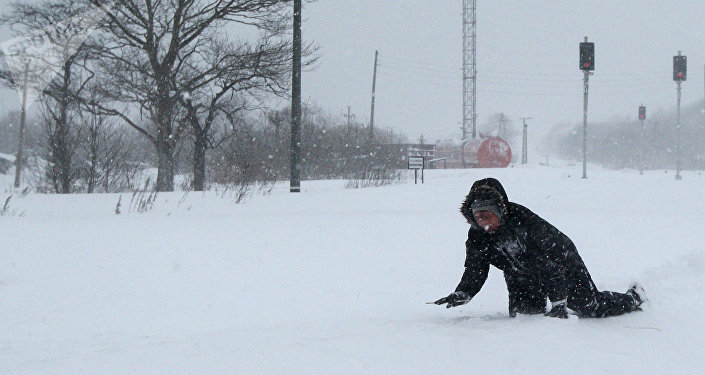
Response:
column 642, row 112
column 587, row 56
column 680, row 68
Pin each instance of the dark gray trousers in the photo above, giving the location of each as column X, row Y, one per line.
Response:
column 527, row 295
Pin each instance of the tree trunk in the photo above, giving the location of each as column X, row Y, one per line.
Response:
column 106, row 182
column 92, row 172
column 64, row 159
column 199, row 162
column 166, row 142
column 93, row 157
column 62, row 148
column 165, row 171
column 62, row 152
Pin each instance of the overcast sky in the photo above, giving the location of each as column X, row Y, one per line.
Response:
column 527, row 57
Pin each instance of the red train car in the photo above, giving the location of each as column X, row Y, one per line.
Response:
column 473, row 153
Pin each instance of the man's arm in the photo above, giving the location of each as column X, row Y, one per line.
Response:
column 476, row 269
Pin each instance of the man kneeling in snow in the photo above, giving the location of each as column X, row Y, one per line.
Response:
column 537, row 259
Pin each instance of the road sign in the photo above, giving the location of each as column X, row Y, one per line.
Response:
column 416, row 162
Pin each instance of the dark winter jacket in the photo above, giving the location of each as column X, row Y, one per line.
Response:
column 524, row 244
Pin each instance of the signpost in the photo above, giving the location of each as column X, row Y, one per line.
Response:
column 416, row 163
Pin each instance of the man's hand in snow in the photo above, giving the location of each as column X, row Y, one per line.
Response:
column 558, row 310
column 454, row 299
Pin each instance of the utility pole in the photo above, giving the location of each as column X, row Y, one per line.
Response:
column 23, row 117
column 295, row 181
column 469, row 67
column 524, row 144
column 502, row 129
column 349, row 116
column 372, row 106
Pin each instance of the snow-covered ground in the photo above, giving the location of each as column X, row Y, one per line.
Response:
column 335, row 281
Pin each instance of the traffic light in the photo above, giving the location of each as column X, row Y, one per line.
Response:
column 587, row 56
column 680, row 68
column 642, row 112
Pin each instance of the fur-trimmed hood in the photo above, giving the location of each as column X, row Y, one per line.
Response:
column 487, row 188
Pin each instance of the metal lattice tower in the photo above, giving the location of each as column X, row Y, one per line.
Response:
column 469, row 68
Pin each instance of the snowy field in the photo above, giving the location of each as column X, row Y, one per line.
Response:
column 335, row 281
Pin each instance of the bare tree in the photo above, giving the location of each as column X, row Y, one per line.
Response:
column 620, row 143
column 330, row 148
column 243, row 163
column 149, row 52
column 57, row 147
column 109, row 157
column 61, row 73
column 229, row 79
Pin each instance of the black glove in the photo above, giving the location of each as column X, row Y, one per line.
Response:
column 558, row 310
column 454, row 299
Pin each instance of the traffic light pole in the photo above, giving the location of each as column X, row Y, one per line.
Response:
column 643, row 146
column 678, row 133
column 586, row 80
column 587, row 64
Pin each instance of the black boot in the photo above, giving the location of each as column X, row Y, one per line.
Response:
column 637, row 292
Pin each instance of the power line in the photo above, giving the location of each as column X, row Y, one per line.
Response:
column 502, row 82
column 421, row 63
column 512, row 80
column 448, row 75
column 424, row 68
column 453, row 69
column 532, row 93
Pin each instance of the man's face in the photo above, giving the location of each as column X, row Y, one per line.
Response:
column 488, row 220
